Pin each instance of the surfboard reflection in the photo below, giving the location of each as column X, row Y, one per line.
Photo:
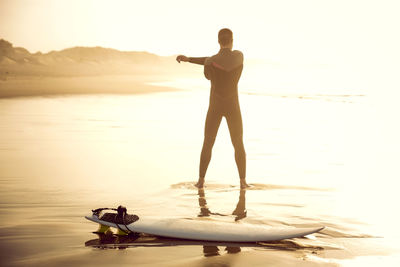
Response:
column 210, row 248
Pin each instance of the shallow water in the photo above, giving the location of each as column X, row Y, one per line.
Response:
column 312, row 160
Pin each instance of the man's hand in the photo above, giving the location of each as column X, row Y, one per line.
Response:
column 182, row 58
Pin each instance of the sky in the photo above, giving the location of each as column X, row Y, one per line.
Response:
column 283, row 31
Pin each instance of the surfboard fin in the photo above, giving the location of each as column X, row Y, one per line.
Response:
column 122, row 232
column 103, row 229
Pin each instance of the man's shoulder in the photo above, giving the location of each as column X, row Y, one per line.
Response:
column 238, row 53
column 233, row 59
column 211, row 59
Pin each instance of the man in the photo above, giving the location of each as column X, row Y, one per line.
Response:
column 223, row 70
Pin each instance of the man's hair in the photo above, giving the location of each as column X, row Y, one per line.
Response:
column 225, row 36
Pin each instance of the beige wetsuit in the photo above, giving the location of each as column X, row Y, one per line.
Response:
column 223, row 70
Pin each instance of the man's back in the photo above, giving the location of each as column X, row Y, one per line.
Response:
column 224, row 70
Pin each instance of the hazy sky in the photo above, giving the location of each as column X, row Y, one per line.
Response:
column 283, row 31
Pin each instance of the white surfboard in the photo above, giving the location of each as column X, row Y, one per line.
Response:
column 207, row 230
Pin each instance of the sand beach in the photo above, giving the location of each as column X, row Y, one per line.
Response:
column 63, row 155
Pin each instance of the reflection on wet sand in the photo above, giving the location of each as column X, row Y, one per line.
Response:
column 110, row 241
column 210, row 248
column 239, row 211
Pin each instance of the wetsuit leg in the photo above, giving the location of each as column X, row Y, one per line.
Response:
column 213, row 121
column 234, row 121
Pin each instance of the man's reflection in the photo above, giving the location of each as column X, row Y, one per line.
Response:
column 240, row 212
column 204, row 211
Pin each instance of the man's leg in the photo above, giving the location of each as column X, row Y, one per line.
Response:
column 213, row 121
column 234, row 120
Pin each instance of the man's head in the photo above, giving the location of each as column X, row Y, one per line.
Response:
column 225, row 37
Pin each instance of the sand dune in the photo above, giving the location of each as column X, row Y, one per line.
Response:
column 83, row 70
column 78, row 61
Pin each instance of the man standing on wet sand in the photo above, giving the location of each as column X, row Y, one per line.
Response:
column 223, row 70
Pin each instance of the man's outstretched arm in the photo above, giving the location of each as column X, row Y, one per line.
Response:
column 195, row 60
column 198, row 60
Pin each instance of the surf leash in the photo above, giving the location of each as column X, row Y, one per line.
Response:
column 117, row 217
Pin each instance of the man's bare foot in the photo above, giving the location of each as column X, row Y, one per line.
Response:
column 200, row 183
column 243, row 184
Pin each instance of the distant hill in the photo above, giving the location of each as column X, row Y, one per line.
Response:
column 81, row 61
column 13, row 55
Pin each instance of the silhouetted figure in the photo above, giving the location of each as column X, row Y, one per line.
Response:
column 223, row 70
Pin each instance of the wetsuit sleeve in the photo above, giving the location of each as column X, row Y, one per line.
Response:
column 197, row 60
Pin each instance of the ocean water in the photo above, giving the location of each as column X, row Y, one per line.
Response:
column 312, row 159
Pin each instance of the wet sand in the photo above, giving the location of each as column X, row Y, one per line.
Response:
column 62, row 156
column 21, row 86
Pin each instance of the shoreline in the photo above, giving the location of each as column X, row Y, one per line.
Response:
column 78, row 85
